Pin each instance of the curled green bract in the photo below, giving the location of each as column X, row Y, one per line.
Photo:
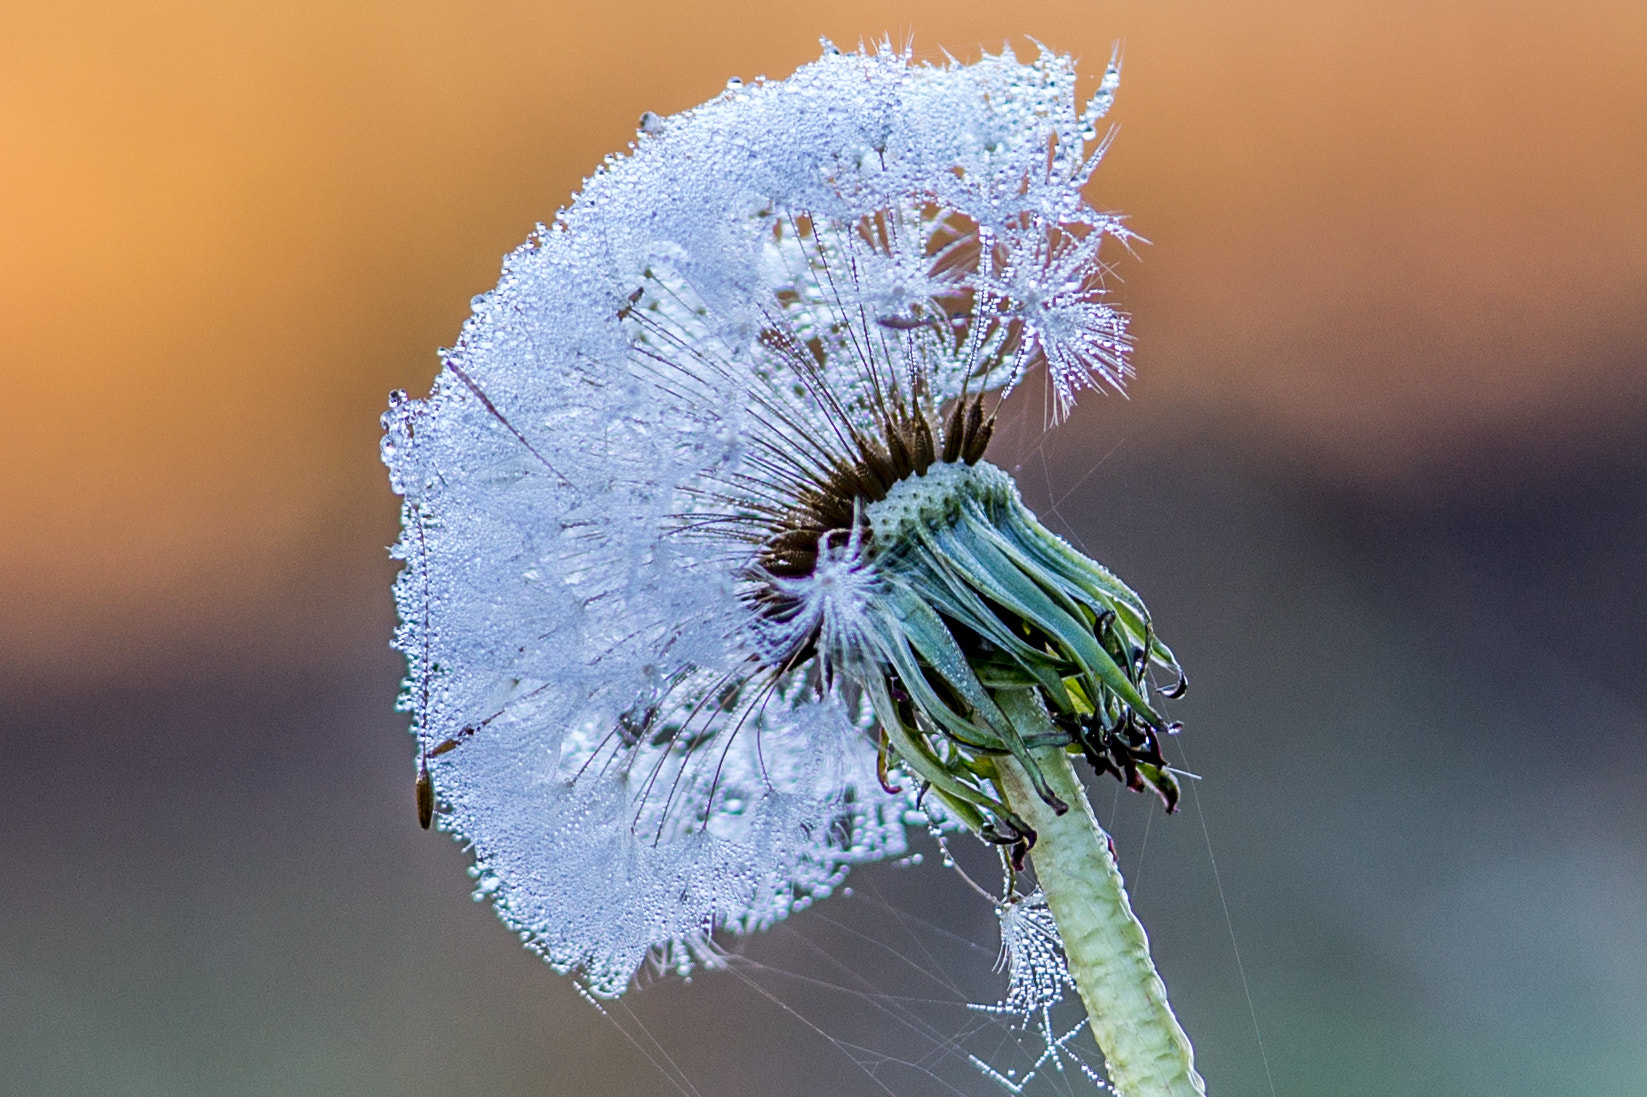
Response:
column 977, row 597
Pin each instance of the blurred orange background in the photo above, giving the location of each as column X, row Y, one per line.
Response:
column 229, row 229
column 1382, row 478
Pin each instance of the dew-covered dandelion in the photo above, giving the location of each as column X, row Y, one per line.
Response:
column 709, row 591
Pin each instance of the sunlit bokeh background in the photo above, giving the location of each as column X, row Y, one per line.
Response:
column 1382, row 477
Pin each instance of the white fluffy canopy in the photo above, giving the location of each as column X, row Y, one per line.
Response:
column 586, row 484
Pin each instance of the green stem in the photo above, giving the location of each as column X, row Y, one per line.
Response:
column 1145, row 1049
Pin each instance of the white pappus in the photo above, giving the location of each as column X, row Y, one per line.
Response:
column 662, row 641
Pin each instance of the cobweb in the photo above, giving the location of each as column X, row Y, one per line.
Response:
column 908, row 982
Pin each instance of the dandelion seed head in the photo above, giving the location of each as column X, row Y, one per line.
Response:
column 643, row 572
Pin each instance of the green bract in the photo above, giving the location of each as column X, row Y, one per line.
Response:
column 978, row 597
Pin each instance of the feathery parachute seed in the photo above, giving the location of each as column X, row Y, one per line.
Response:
column 708, row 588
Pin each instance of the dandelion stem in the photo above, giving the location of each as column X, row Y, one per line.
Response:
column 1145, row 1049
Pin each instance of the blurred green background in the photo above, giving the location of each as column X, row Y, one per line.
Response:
column 1382, row 479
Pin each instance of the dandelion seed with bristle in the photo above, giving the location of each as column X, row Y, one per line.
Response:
column 1032, row 956
column 709, row 591
column 1037, row 977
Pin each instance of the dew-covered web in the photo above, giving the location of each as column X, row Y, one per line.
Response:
column 899, row 984
column 895, row 984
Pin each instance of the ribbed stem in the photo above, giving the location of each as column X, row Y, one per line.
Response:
column 1145, row 1049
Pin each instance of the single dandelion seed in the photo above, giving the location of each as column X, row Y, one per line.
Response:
column 709, row 592
column 1037, row 977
